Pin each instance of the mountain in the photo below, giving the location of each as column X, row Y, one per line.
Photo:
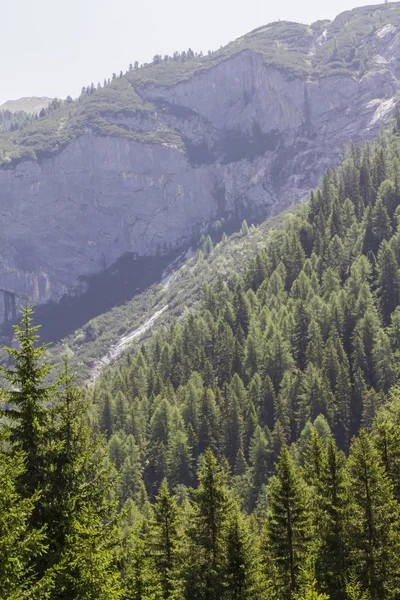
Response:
column 30, row 105
column 102, row 340
column 252, row 450
column 165, row 152
column 238, row 436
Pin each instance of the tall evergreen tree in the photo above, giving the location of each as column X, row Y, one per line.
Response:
column 207, row 551
column 27, row 397
column 372, row 521
column 20, row 542
column 288, row 526
column 164, row 543
column 80, row 517
column 242, row 569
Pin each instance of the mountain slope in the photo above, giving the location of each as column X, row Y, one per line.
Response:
column 91, row 347
column 153, row 159
column 310, row 331
column 30, row 105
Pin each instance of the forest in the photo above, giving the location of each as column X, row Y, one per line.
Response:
column 248, row 451
column 12, row 121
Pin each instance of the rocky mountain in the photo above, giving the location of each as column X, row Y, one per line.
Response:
column 31, row 105
column 151, row 160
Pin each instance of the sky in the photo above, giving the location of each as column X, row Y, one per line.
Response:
column 53, row 48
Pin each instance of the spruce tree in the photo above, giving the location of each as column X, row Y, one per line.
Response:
column 164, row 543
column 288, row 525
column 80, row 516
column 386, row 431
column 20, row 542
column 260, row 457
column 242, row 569
column 27, row 397
column 372, row 521
column 309, row 585
column 388, row 280
column 330, row 503
column 206, row 559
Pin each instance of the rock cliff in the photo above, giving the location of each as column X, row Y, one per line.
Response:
column 253, row 139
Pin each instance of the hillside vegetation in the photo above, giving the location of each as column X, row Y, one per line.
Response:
column 310, row 329
column 251, row 451
column 12, row 121
column 343, row 46
column 179, row 294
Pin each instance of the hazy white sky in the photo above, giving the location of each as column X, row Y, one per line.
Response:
column 53, row 48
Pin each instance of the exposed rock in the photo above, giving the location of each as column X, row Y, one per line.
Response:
column 256, row 141
column 31, row 105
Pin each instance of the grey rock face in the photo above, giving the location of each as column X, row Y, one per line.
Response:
column 256, row 141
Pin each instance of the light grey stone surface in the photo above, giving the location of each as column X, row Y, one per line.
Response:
column 77, row 212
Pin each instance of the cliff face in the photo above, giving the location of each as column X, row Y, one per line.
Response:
column 255, row 141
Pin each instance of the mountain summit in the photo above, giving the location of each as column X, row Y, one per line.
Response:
column 31, row 105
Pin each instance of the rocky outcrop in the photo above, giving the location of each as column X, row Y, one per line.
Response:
column 255, row 141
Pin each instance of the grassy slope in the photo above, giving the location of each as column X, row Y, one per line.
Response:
column 51, row 133
column 93, row 340
column 284, row 45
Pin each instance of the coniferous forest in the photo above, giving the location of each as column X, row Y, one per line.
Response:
column 250, row 451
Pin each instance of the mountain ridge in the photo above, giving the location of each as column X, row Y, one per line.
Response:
column 29, row 104
column 117, row 172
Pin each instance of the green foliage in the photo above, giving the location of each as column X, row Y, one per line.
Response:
column 26, row 397
column 19, row 542
column 206, row 562
column 246, row 412
column 296, row 352
column 288, row 526
column 372, row 520
column 164, row 542
column 324, row 521
column 348, row 46
column 309, row 587
column 57, row 482
column 354, row 590
column 12, row 121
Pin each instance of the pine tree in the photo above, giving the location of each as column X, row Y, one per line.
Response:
column 330, row 502
column 106, row 420
column 179, row 459
column 314, row 352
column 26, row 398
column 164, row 543
column 81, row 520
column 354, row 590
column 139, row 578
column 207, row 534
column 386, row 432
column 381, row 227
column 372, row 521
column 234, row 428
column 242, row 569
column 388, row 280
column 383, row 362
column 309, row 587
column 260, row 458
column 288, row 526
column 20, row 543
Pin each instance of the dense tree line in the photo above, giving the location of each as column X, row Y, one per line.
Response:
column 12, row 121
column 326, row 526
column 251, row 451
column 158, row 59
column 311, row 331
